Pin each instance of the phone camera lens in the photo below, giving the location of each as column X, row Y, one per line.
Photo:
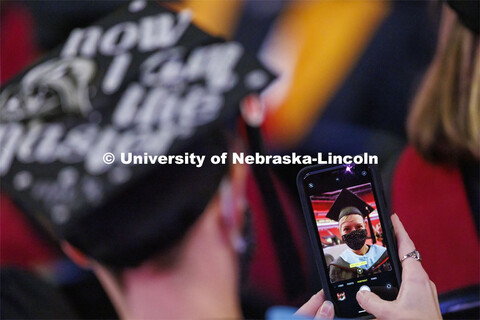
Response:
column 364, row 173
column 310, row 185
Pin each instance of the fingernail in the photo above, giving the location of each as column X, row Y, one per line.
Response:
column 326, row 310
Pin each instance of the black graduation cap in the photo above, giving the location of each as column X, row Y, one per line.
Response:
column 351, row 202
column 348, row 203
column 142, row 80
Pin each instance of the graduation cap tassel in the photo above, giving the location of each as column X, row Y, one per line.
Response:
column 288, row 256
column 374, row 238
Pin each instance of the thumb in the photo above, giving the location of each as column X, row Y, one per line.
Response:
column 372, row 303
column 326, row 311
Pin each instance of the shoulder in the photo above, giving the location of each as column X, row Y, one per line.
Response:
column 348, row 255
column 339, row 262
column 378, row 253
column 378, row 249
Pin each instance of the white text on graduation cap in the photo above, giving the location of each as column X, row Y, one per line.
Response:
column 148, row 34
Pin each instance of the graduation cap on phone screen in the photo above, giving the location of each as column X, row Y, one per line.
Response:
column 347, row 203
column 143, row 80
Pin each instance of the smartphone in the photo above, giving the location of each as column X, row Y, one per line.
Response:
column 351, row 233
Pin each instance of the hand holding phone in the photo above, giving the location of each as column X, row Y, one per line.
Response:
column 351, row 234
column 417, row 298
column 356, row 251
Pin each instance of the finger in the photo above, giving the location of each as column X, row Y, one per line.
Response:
column 411, row 267
column 326, row 311
column 435, row 294
column 372, row 303
column 311, row 307
column 405, row 244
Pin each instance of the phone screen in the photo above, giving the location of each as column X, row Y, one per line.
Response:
column 355, row 252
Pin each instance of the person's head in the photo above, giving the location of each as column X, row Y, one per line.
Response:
column 157, row 232
column 202, row 264
column 350, row 211
column 352, row 227
column 351, row 221
column 444, row 121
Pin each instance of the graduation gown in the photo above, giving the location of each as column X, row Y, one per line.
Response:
column 340, row 269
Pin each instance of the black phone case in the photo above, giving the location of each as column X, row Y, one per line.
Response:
column 382, row 209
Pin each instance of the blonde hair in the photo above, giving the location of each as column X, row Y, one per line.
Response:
column 344, row 218
column 444, row 122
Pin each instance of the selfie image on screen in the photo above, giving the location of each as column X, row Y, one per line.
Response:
column 350, row 233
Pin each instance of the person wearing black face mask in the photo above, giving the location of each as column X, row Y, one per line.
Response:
column 360, row 258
